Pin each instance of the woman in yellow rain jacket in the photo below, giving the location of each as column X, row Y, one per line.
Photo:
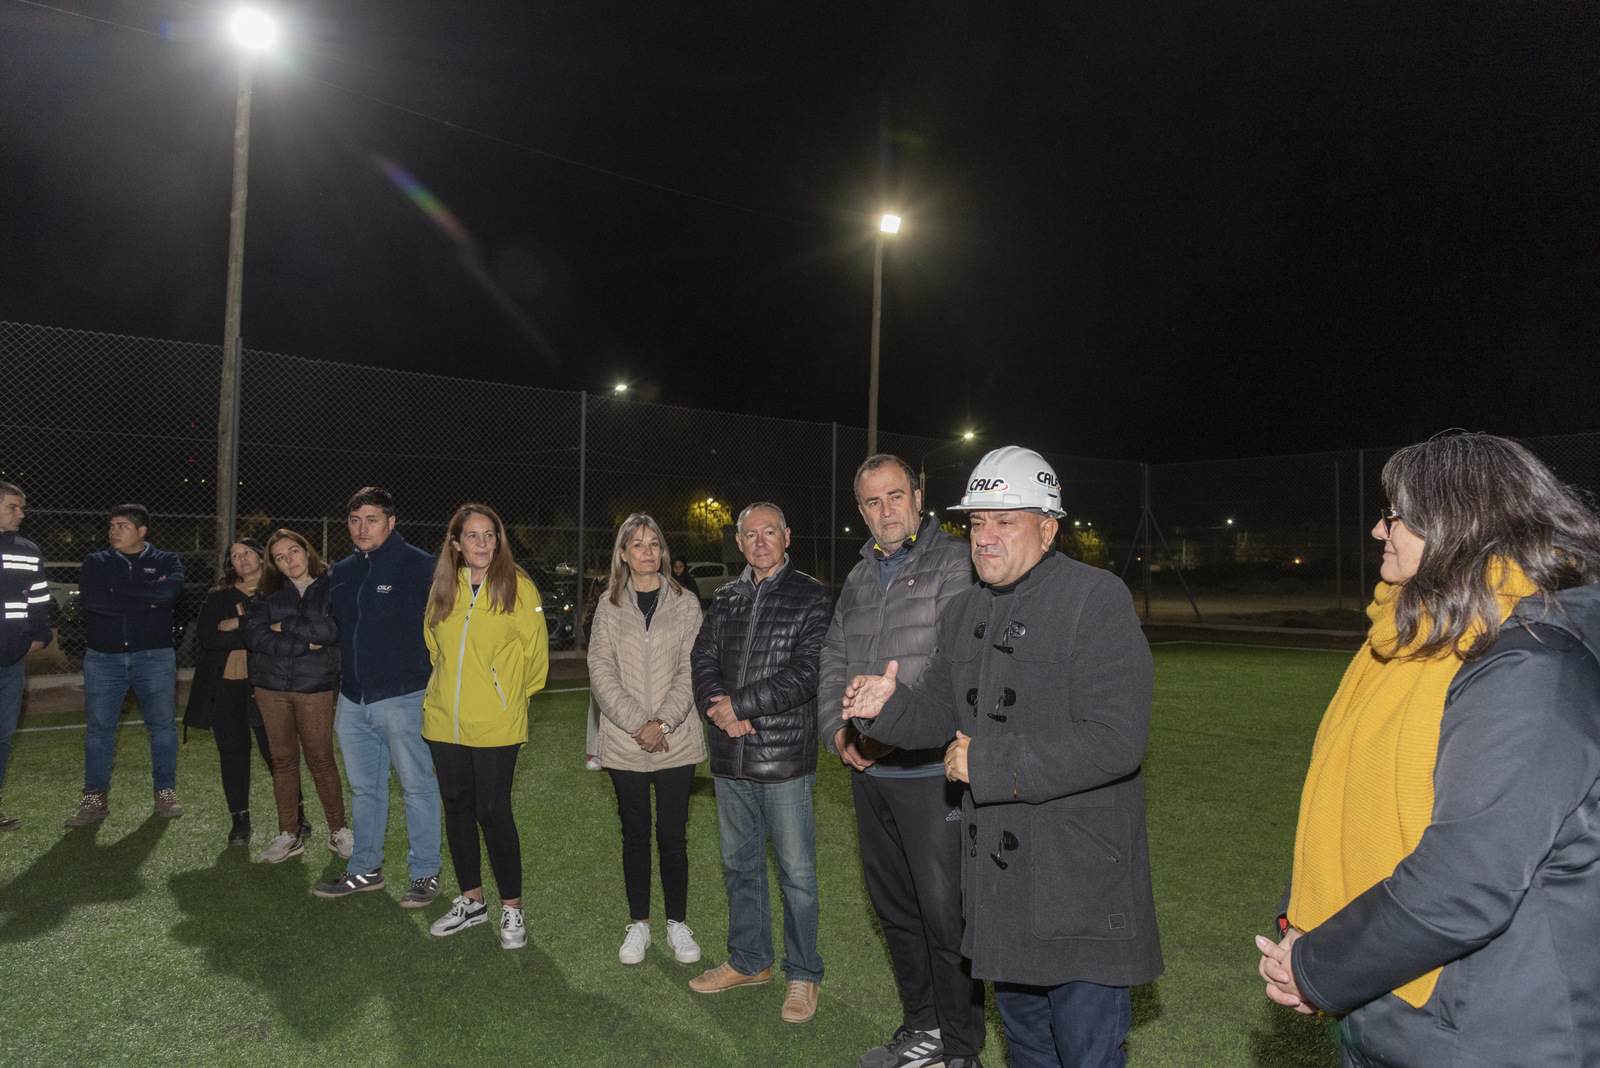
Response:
column 486, row 635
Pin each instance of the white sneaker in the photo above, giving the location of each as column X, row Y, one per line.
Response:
column 593, row 763
column 342, row 842
column 513, row 932
column 464, row 912
column 283, row 847
column 681, row 939
column 638, row 940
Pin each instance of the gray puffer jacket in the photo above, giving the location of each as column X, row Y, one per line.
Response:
column 1052, row 681
column 759, row 645
column 1503, row 888
column 872, row 626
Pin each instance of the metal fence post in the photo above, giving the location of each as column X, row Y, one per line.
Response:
column 1338, row 554
column 1361, row 502
column 833, row 508
column 228, row 445
column 578, row 639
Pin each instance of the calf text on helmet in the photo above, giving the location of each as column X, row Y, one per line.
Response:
column 988, row 485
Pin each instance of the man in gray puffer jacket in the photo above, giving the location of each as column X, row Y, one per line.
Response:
column 1045, row 680
column 754, row 665
column 908, row 817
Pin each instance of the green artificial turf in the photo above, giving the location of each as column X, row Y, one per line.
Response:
column 149, row 942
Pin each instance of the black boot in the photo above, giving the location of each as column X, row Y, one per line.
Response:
column 240, row 835
column 305, row 824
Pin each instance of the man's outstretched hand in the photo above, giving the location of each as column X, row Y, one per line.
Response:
column 865, row 696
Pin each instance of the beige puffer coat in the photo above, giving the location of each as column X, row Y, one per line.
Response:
column 637, row 675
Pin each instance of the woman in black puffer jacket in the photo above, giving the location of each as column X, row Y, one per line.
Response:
column 294, row 664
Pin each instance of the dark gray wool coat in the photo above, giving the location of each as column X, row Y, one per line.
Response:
column 1052, row 681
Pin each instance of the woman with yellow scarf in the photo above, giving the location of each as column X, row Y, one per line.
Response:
column 1445, row 902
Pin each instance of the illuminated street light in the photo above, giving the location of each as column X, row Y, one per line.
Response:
column 889, row 224
column 922, row 466
column 253, row 32
column 621, row 387
column 253, row 29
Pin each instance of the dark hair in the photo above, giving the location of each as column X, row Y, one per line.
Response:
column 1473, row 498
column 137, row 514
column 877, row 460
column 376, row 496
column 500, row 577
column 229, row 576
column 271, row 577
column 619, row 567
column 11, row 489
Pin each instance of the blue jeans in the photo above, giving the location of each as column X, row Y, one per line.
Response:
column 747, row 813
column 152, row 674
column 1074, row 1025
column 10, row 709
column 372, row 737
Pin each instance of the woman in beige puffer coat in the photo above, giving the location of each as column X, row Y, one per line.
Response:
column 644, row 627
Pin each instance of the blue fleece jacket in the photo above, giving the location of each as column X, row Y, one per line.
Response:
column 129, row 598
column 379, row 599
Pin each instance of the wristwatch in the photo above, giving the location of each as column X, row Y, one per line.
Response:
column 664, row 728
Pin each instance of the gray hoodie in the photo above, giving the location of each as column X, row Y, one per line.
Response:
column 1503, row 889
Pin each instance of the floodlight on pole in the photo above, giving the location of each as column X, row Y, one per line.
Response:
column 888, row 224
column 253, row 29
column 254, row 32
column 620, row 387
column 922, row 466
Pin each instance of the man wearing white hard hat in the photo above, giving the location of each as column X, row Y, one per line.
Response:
column 1045, row 679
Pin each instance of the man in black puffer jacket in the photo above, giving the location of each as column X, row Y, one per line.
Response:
column 755, row 679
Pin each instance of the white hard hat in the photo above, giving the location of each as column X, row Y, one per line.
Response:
column 1013, row 479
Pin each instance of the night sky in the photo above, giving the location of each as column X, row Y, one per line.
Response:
column 1133, row 230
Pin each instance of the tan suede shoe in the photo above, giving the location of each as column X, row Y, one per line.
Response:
column 723, row 977
column 799, row 1001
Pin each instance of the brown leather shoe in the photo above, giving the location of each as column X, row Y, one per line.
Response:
column 723, row 977
column 799, row 1001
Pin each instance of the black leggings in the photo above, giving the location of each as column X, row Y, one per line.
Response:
column 475, row 786
column 672, row 821
column 233, row 717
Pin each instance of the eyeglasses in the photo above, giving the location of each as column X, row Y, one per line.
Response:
column 1389, row 518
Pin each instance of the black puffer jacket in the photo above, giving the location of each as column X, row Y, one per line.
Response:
column 759, row 645
column 283, row 660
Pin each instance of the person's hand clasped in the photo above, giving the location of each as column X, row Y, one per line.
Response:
column 866, row 695
column 650, row 737
column 955, row 758
column 857, row 750
column 722, row 716
column 1278, row 973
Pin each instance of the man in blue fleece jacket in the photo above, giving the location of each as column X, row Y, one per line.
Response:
column 128, row 591
column 379, row 595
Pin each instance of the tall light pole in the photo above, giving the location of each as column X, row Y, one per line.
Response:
column 253, row 32
column 889, row 224
column 922, row 467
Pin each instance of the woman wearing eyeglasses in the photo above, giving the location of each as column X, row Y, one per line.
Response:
column 644, row 630
column 486, row 634
column 1445, row 901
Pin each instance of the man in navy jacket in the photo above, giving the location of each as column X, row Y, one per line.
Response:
column 379, row 595
column 25, row 626
column 128, row 591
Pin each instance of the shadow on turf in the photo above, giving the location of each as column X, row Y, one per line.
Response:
column 1295, row 1040
column 318, row 965
column 75, row 872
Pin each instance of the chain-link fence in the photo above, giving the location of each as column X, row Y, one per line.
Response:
column 92, row 420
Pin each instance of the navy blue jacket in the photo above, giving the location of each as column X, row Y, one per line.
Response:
column 379, row 599
column 129, row 598
column 26, row 594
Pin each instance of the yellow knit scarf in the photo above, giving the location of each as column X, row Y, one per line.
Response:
column 1369, row 793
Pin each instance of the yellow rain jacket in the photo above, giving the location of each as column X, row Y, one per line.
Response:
column 486, row 664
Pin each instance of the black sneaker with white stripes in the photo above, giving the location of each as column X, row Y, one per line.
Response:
column 907, row 1049
column 349, row 883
